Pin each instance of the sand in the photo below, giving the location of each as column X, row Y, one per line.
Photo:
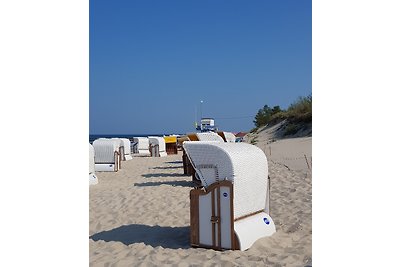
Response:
column 294, row 153
column 139, row 216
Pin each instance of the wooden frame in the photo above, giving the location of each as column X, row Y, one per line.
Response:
column 214, row 190
column 171, row 148
column 117, row 161
column 193, row 137
column 187, row 165
column 222, row 135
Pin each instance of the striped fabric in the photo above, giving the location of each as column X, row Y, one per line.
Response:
column 243, row 164
column 104, row 150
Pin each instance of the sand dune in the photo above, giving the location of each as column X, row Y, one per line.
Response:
column 139, row 216
column 294, row 153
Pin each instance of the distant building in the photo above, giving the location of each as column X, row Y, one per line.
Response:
column 207, row 125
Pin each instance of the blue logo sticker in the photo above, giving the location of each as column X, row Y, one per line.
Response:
column 225, row 194
column 266, row 221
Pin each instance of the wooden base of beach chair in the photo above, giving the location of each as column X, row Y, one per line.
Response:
column 128, row 157
column 212, row 223
column 105, row 167
column 211, row 217
column 109, row 167
column 187, row 166
column 171, row 148
column 142, row 153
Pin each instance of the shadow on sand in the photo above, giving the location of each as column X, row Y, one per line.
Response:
column 155, row 175
column 165, row 236
column 175, row 162
column 168, row 167
column 172, row 183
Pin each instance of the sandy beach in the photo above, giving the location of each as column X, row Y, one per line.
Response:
column 139, row 216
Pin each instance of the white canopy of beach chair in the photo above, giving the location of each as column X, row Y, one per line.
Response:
column 92, row 176
column 121, row 147
column 127, row 148
column 209, row 136
column 230, row 137
column 161, row 144
column 107, row 154
column 142, row 147
column 235, row 178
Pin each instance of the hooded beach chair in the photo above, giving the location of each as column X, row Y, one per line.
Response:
column 107, row 155
column 228, row 137
column 121, row 148
column 127, row 149
column 142, row 146
column 182, row 139
column 92, row 176
column 231, row 211
column 209, row 136
column 156, row 140
column 171, row 144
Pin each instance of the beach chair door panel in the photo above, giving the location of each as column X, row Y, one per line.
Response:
column 205, row 225
column 226, row 217
column 215, row 217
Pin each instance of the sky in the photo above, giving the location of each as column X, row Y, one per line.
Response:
column 152, row 62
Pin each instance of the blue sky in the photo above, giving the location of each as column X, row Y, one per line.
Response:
column 152, row 62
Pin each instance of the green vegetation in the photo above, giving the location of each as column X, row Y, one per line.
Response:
column 253, row 141
column 265, row 114
column 301, row 110
column 291, row 129
column 298, row 112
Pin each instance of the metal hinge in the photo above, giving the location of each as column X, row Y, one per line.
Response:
column 214, row 219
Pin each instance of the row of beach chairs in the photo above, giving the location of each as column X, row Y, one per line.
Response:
column 229, row 202
column 106, row 154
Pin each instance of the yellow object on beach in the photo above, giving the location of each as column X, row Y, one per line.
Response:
column 170, row 139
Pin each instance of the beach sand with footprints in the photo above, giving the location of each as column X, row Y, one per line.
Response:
column 139, row 216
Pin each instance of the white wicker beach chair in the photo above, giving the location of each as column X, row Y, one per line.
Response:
column 232, row 210
column 142, row 147
column 92, row 176
column 230, row 137
column 127, row 148
column 121, row 147
column 209, row 136
column 156, row 140
column 107, row 155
